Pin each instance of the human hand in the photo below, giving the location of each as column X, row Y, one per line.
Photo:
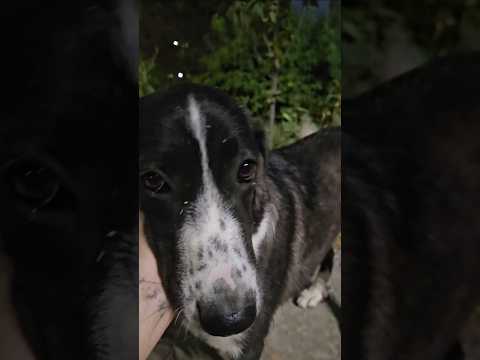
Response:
column 155, row 313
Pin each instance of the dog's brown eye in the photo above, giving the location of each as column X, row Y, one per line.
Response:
column 155, row 182
column 34, row 182
column 247, row 171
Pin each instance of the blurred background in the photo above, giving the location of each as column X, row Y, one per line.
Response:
column 384, row 38
column 279, row 58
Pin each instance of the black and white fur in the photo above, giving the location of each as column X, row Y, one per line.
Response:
column 226, row 243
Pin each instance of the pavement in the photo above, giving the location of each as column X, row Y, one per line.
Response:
column 303, row 334
column 307, row 334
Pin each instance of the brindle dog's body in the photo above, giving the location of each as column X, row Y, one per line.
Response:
column 410, row 213
column 294, row 214
column 303, row 185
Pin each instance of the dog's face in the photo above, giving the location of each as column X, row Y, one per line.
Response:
column 63, row 184
column 200, row 168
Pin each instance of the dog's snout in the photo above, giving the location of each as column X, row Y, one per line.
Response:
column 220, row 318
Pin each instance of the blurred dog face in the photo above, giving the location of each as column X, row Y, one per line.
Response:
column 200, row 169
column 63, row 184
column 40, row 211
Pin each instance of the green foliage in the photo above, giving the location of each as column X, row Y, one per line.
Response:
column 147, row 81
column 266, row 57
column 285, row 68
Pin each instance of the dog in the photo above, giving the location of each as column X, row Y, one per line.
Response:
column 237, row 230
column 410, row 213
column 66, row 199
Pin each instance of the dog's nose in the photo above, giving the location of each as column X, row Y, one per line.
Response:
column 221, row 320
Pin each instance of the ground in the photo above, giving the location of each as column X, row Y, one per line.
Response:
column 306, row 334
column 310, row 334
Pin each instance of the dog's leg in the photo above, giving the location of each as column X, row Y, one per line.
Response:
column 318, row 290
column 314, row 294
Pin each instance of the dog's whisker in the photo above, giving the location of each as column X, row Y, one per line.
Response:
column 179, row 308
column 178, row 315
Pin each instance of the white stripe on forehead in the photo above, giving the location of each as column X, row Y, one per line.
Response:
column 211, row 243
column 210, row 211
column 197, row 124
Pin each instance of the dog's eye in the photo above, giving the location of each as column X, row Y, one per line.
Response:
column 247, row 171
column 155, row 182
column 33, row 182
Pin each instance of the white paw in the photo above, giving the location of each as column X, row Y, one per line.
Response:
column 312, row 296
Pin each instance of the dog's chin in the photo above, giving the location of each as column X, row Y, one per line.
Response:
column 225, row 334
column 230, row 347
column 195, row 327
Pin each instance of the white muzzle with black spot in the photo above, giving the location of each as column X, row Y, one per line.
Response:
column 217, row 278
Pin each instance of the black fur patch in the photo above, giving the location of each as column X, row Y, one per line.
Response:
column 409, row 229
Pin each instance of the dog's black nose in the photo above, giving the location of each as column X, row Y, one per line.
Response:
column 220, row 320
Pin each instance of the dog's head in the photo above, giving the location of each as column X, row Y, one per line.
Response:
column 63, row 185
column 201, row 169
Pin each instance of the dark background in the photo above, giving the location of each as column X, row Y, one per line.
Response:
column 383, row 38
column 283, row 66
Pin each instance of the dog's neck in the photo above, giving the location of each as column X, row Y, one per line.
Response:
column 264, row 233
